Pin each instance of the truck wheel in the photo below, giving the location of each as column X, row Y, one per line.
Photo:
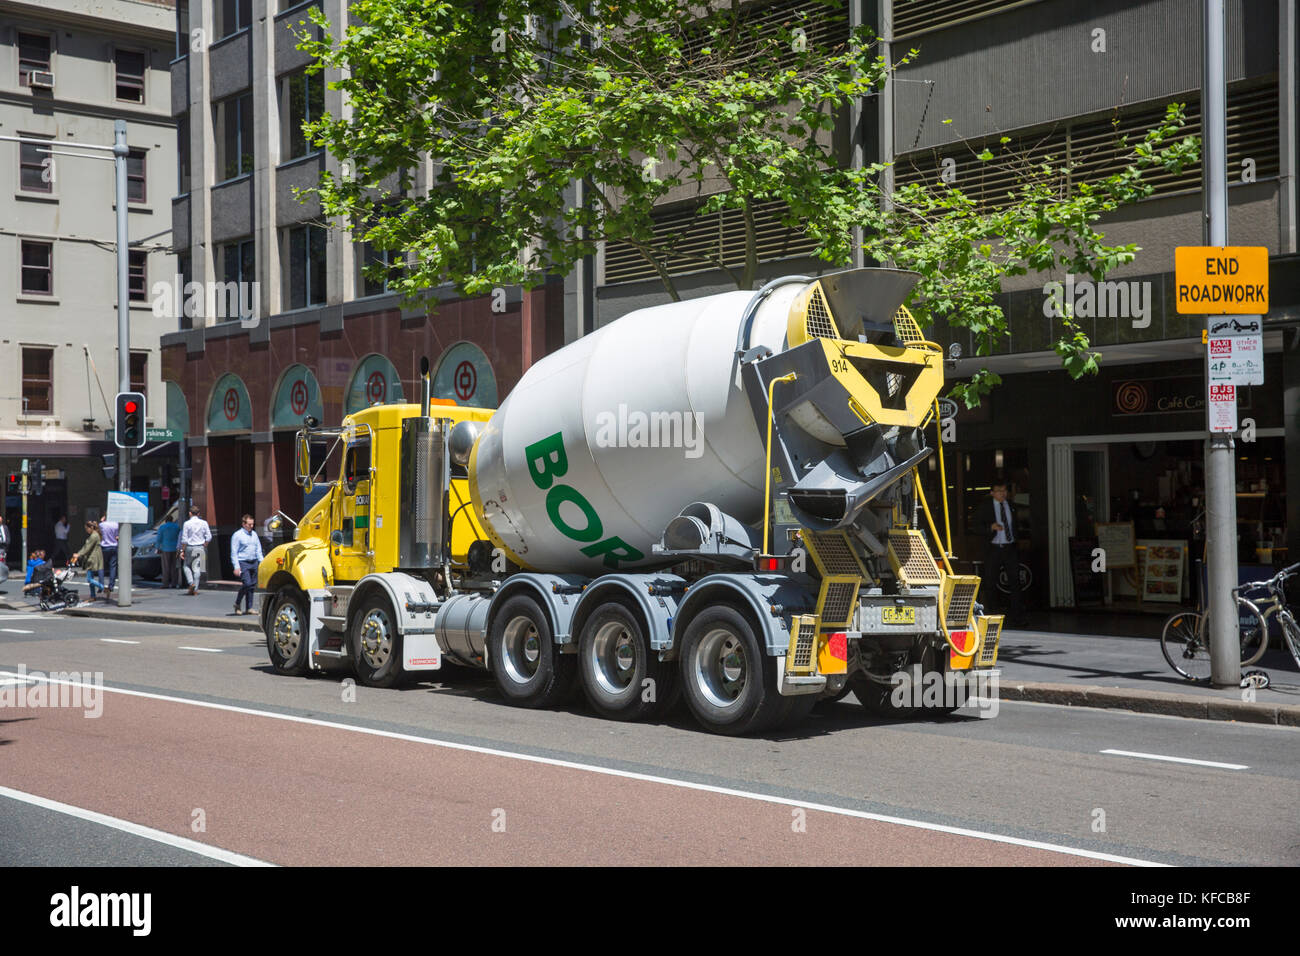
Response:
column 376, row 644
column 286, row 632
column 616, row 661
column 728, row 680
column 528, row 666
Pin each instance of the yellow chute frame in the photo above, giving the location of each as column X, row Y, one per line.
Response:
column 811, row 319
column 842, row 575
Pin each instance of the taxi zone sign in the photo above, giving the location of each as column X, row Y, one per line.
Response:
column 1221, row 280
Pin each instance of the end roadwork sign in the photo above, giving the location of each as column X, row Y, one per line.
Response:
column 1221, row 280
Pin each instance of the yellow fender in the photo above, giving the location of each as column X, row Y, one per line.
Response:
column 308, row 561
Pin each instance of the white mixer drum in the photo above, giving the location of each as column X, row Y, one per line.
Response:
column 602, row 443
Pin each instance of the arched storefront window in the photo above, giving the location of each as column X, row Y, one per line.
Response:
column 229, row 409
column 297, row 397
column 465, row 375
column 375, row 382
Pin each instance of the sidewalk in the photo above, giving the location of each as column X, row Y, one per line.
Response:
column 213, row 606
column 1072, row 659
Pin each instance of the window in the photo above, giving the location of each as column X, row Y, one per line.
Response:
column 233, row 16
column 130, row 76
column 238, row 264
column 140, row 375
column 138, row 275
column 302, row 100
column 388, row 263
column 182, row 28
column 234, row 132
column 135, row 182
column 33, row 55
column 306, row 273
column 37, row 268
column 183, row 154
column 35, row 167
column 38, row 380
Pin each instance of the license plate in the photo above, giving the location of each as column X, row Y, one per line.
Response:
column 898, row 615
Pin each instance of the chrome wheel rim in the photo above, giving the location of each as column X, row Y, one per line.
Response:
column 614, row 655
column 720, row 666
column 286, row 630
column 521, row 651
column 375, row 638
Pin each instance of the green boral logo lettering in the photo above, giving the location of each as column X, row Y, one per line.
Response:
column 548, row 461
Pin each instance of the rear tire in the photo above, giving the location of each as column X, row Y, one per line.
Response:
column 728, row 679
column 616, row 661
column 286, row 632
column 527, row 663
column 376, row 644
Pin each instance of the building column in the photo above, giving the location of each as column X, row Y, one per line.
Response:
column 1291, row 427
column 265, row 492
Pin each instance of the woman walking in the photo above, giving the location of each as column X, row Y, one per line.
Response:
column 91, row 557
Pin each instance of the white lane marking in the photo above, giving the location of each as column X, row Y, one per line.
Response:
column 1199, row 763
column 14, row 630
column 629, row 775
column 208, row 650
column 117, row 640
column 136, row 829
column 14, row 681
column 20, row 617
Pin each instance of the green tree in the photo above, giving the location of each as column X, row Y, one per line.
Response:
column 516, row 100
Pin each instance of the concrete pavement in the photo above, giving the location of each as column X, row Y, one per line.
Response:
column 1084, row 660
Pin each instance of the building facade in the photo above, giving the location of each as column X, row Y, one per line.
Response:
column 68, row 70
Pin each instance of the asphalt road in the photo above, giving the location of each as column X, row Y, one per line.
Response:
column 201, row 754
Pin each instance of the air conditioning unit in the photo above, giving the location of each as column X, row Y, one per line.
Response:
column 41, row 79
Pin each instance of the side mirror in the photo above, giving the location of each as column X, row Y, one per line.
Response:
column 302, row 461
column 336, row 537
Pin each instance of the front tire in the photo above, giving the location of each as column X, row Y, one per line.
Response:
column 1291, row 637
column 622, row 675
column 286, row 632
column 376, row 644
column 728, row 679
column 527, row 664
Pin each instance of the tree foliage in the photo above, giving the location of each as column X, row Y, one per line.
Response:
column 648, row 100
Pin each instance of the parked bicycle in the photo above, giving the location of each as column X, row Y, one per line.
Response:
column 1185, row 640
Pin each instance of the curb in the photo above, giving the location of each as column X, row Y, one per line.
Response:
column 1153, row 702
column 154, row 617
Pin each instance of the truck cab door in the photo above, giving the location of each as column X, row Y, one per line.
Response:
column 350, row 544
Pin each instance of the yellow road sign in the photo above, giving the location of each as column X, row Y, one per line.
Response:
column 1221, row 280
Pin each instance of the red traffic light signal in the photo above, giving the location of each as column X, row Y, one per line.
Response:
column 129, row 431
column 129, row 406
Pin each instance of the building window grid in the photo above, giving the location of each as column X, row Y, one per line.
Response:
column 233, row 16
column 307, row 267
column 37, row 268
column 129, row 69
column 38, row 380
column 392, row 263
column 35, row 167
column 238, row 264
column 137, row 275
column 136, row 190
column 302, row 101
column 234, row 130
column 33, row 56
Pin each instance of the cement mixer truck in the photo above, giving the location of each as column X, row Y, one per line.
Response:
column 715, row 500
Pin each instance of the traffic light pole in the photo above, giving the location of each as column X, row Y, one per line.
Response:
column 23, row 486
column 120, row 153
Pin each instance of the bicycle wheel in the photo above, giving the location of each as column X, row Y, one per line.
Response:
column 1182, row 642
column 1254, row 631
column 1291, row 635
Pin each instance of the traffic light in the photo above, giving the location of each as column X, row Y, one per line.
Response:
column 14, row 483
column 36, row 476
column 110, row 464
column 128, row 425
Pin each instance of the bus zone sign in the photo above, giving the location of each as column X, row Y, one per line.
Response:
column 1221, row 280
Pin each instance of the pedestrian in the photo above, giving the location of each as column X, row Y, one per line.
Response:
column 169, row 534
column 34, row 561
column 4, row 539
column 997, row 522
column 61, row 529
column 195, row 535
column 108, row 543
column 91, row 557
column 245, row 556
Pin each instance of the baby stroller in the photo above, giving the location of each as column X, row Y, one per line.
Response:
column 50, row 587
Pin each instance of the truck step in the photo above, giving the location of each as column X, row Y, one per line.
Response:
column 334, row 622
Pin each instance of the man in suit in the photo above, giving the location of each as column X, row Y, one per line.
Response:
column 996, row 518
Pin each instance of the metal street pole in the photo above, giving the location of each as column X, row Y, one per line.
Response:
column 1220, row 460
column 23, row 486
column 120, row 153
